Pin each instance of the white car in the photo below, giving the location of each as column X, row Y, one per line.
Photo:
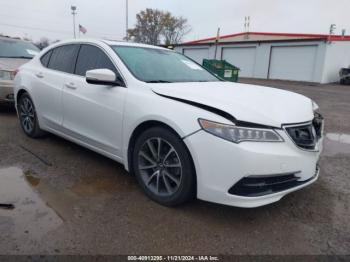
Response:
column 181, row 130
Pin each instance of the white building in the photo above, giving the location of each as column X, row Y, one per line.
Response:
column 300, row 57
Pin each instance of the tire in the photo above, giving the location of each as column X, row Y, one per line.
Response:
column 28, row 117
column 166, row 174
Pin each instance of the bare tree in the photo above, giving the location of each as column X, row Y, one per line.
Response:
column 174, row 29
column 148, row 27
column 153, row 26
column 42, row 43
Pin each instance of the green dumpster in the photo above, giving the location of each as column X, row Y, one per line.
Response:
column 222, row 68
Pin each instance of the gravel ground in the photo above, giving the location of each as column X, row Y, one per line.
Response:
column 70, row 200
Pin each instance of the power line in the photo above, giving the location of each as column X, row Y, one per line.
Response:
column 35, row 28
column 35, row 20
column 54, row 31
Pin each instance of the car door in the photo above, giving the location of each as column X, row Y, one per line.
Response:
column 57, row 64
column 92, row 113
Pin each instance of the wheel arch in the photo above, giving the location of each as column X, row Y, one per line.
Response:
column 147, row 125
column 141, row 127
column 20, row 92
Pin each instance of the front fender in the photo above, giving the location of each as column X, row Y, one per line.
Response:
column 146, row 106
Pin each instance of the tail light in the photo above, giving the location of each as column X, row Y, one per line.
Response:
column 14, row 73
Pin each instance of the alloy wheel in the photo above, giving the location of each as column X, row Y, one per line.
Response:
column 160, row 166
column 27, row 115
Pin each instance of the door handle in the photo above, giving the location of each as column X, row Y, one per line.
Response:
column 71, row 85
column 39, row 75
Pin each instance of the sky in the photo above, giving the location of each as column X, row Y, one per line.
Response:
column 106, row 18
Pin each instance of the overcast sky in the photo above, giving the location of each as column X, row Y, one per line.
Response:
column 106, row 18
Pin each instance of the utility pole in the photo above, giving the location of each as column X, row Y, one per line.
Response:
column 126, row 19
column 246, row 24
column 217, row 41
column 331, row 32
column 246, row 27
column 74, row 8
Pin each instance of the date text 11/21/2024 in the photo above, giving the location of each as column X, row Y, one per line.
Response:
column 174, row 258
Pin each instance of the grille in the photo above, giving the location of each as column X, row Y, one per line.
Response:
column 318, row 124
column 306, row 135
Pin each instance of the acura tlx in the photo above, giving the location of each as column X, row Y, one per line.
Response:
column 181, row 130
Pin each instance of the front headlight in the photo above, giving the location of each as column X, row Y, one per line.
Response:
column 6, row 75
column 238, row 134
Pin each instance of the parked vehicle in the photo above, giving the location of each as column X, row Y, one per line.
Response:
column 183, row 132
column 13, row 54
column 344, row 75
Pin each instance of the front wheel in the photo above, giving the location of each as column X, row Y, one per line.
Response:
column 163, row 167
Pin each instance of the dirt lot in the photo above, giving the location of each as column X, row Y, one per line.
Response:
column 70, row 200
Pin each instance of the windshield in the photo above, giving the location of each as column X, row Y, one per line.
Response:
column 161, row 66
column 10, row 48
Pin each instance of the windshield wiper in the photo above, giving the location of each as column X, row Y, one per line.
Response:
column 158, row 81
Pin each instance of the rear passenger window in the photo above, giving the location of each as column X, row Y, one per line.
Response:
column 63, row 58
column 46, row 58
column 91, row 57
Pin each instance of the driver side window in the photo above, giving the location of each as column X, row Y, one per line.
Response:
column 91, row 57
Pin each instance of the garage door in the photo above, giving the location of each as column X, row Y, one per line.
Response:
column 242, row 57
column 197, row 54
column 293, row 63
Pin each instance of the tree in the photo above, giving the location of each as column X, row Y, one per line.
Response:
column 174, row 29
column 42, row 43
column 153, row 26
column 148, row 27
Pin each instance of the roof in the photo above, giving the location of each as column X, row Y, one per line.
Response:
column 5, row 37
column 104, row 41
column 125, row 43
column 267, row 37
column 97, row 41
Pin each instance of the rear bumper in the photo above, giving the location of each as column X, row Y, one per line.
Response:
column 6, row 91
column 220, row 165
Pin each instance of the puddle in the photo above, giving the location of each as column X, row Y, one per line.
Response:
column 94, row 185
column 31, row 178
column 39, row 208
column 31, row 216
column 336, row 143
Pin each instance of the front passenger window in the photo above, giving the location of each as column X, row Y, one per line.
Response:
column 91, row 57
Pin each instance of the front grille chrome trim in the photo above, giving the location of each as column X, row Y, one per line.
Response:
column 316, row 148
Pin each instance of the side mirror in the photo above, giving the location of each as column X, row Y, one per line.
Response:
column 102, row 77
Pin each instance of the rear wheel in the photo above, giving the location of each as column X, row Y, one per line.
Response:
column 163, row 167
column 28, row 117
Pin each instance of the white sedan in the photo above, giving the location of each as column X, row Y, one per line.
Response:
column 182, row 131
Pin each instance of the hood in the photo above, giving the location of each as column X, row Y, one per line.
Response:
column 248, row 103
column 11, row 64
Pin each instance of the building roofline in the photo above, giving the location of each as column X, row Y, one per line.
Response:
column 310, row 36
column 256, row 41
